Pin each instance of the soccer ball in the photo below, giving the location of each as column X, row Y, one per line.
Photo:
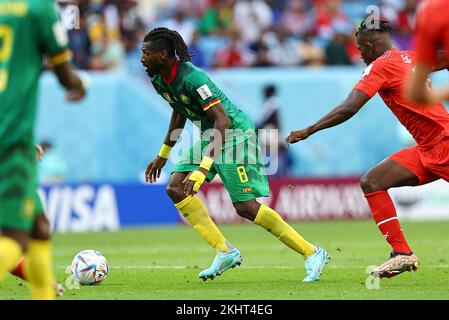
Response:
column 89, row 267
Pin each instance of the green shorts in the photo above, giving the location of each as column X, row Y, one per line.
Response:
column 240, row 167
column 19, row 201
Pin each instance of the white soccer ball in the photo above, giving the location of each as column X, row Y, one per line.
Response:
column 89, row 267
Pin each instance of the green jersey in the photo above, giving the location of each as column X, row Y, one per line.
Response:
column 29, row 29
column 189, row 91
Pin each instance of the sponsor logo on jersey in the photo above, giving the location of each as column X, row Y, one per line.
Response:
column 204, row 92
column 246, row 190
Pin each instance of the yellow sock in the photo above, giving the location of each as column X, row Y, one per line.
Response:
column 39, row 270
column 196, row 213
column 270, row 220
column 10, row 252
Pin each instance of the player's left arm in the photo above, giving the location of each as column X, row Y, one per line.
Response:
column 342, row 113
column 428, row 59
column 221, row 122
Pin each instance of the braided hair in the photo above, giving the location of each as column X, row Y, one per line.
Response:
column 367, row 26
column 170, row 40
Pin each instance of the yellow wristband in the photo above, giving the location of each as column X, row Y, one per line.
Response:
column 165, row 151
column 206, row 163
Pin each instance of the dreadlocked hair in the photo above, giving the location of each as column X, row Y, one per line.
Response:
column 170, row 40
column 370, row 25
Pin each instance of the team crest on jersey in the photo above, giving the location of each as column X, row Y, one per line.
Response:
column 185, row 99
column 246, row 190
column 167, row 97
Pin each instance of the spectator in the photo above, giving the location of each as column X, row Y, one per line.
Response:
column 312, row 55
column 232, row 56
column 109, row 53
column 295, row 19
column 217, row 19
column 405, row 24
column 328, row 14
column 282, row 49
column 337, row 50
column 198, row 58
column 252, row 17
column 80, row 45
column 182, row 23
column 259, row 52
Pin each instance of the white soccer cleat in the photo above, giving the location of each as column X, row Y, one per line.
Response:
column 397, row 264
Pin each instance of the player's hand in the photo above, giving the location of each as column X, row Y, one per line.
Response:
column 194, row 180
column 299, row 135
column 75, row 94
column 78, row 93
column 154, row 169
column 40, row 152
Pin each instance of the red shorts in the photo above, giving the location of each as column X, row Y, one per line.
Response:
column 427, row 164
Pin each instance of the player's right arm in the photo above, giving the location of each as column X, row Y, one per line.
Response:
column 373, row 79
column 54, row 42
column 342, row 113
column 76, row 89
column 154, row 168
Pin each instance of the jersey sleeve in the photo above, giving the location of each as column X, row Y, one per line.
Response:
column 203, row 90
column 53, row 37
column 426, row 38
column 373, row 79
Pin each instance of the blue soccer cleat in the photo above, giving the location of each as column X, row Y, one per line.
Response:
column 223, row 261
column 315, row 264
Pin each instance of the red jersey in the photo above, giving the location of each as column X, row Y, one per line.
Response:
column 432, row 31
column 388, row 75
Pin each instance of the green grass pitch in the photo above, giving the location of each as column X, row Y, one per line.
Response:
column 163, row 264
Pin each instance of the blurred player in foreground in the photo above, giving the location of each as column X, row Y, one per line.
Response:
column 29, row 29
column 19, row 270
column 387, row 72
column 431, row 35
column 192, row 95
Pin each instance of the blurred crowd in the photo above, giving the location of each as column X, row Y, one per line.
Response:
column 230, row 33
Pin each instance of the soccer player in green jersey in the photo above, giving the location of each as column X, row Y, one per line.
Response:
column 29, row 30
column 224, row 129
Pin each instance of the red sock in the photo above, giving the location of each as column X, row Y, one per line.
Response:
column 384, row 213
column 19, row 270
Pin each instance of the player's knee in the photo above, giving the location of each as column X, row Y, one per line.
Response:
column 175, row 191
column 41, row 228
column 245, row 211
column 368, row 184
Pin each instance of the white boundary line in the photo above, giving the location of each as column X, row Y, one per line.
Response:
column 168, row 267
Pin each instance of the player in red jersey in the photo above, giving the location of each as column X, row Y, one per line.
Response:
column 387, row 72
column 431, row 35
